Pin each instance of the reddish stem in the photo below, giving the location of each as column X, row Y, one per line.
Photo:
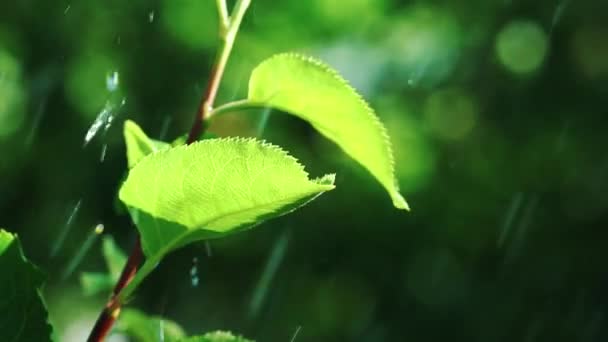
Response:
column 112, row 309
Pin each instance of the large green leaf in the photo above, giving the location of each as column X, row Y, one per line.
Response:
column 211, row 188
column 216, row 336
column 143, row 328
column 139, row 144
column 311, row 90
column 23, row 316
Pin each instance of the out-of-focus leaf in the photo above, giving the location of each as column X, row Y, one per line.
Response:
column 211, row 188
column 143, row 328
column 23, row 316
column 216, row 336
column 94, row 282
column 114, row 257
column 311, row 90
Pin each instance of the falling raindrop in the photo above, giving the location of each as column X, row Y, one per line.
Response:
column 61, row 238
column 558, row 14
column 295, row 334
column 194, row 272
column 151, row 16
column 104, row 148
column 67, row 9
column 104, row 120
column 268, row 273
column 112, row 81
column 80, row 253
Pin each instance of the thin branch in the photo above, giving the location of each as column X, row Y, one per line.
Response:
column 208, row 99
column 112, row 309
column 229, row 28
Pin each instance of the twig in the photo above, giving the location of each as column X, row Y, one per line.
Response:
column 229, row 27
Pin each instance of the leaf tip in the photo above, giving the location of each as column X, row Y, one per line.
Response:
column 399, row 202
column 326, row 181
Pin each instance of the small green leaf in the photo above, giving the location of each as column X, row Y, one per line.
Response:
column 216, row 336
column 23, row 314
column 209, row 189
column 143, row 328
column 314, row 92
column 139, row 144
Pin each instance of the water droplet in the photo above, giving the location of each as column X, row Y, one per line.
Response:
column 61, row 238
column 104, row 120
column 151, row 16
column 295, row 334
column 194, row 272
column 99, row 228
column 104, row 148
column 112, row 81
column 67, row 9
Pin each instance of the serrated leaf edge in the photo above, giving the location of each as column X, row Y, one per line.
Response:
column 397, row 198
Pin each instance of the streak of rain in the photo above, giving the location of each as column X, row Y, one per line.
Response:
column 104, row 120
column 263, row 121
column 558, row 14
column 102, row 157
column 164, row 128
column 64, row 232
column 268, row 273
column 295, row 334
column 67, row 9
column 194, row 272
column 510, row 217
column 151, row 17
column 36, row 122
column 82, row 251
column 517, row 241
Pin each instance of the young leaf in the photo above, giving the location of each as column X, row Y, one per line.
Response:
column 143, row 328
column 217, row 336
column 211, row 188
column 139, row 144
column 23, row 314
column 312, row 91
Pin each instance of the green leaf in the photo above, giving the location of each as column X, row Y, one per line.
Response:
column 314, row 92
column 211, row 188
column 143, row 328
column 217, row 336
column 23, row 316
column 94, row 282
column 139, row 144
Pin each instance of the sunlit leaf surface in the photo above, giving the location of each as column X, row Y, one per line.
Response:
column 311, row 90
column 211, row 188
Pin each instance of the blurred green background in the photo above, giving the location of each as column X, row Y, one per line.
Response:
column 497, row 111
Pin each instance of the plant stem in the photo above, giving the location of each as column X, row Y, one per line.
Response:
column 229, row 27
column 112, row 309
column 228, row 36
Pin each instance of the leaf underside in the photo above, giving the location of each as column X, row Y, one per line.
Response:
column 307, row 88
column 23, row 316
